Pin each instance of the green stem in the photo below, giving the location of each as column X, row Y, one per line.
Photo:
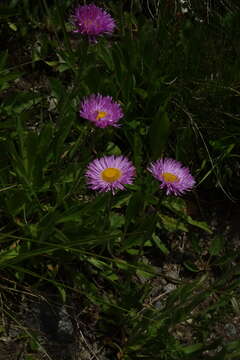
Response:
column 106, row 221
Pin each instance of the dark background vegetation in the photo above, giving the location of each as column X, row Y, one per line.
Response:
column 108, row 260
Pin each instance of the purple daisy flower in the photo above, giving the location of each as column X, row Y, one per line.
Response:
column 101, row 110
column 91, row 20
column 110, row 173
column 174, row 177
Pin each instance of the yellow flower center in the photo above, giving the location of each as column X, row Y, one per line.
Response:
column 101, row 114
column 168, row 177
column 87, row 22
column 111, row 174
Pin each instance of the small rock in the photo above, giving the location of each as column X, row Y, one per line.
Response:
column 169, row 287
column 230, row 329
column 65, row 327
column 159, row 305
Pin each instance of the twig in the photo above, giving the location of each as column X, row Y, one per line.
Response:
column 94, row 355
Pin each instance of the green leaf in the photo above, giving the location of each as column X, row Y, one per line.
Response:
column 159, row 132
column 22, row 101
column 58, row 89
column 116, row 220
column 137, row 150
column 118, row 63
column 6, row 78
column 52, row 63
column 16, row 202
column 70, row 218
column 190, row 266
column 63, row 67
column 141, row 92
column 45, row 138
column 172, row 224
column 233, row 345
column 122, row 264
column 135, row 205
column 7, row 255
column 65, row 125
column 99, row 263
column 3, row 59
column 175, row 204
column 104, row 52
column 12, row 26
column 200, row 224
column 192, row 348
column 160, row 244
column 144, row 274
column 113, row 149
column 217, row 245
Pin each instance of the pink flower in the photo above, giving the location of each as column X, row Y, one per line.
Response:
column 101, row 110
column 91, row 20
column 174, row 177
column 110, row 173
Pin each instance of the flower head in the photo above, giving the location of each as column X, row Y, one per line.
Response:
column 91, row 20
column 174, row 177
column 110, row 173
column 101, row 110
